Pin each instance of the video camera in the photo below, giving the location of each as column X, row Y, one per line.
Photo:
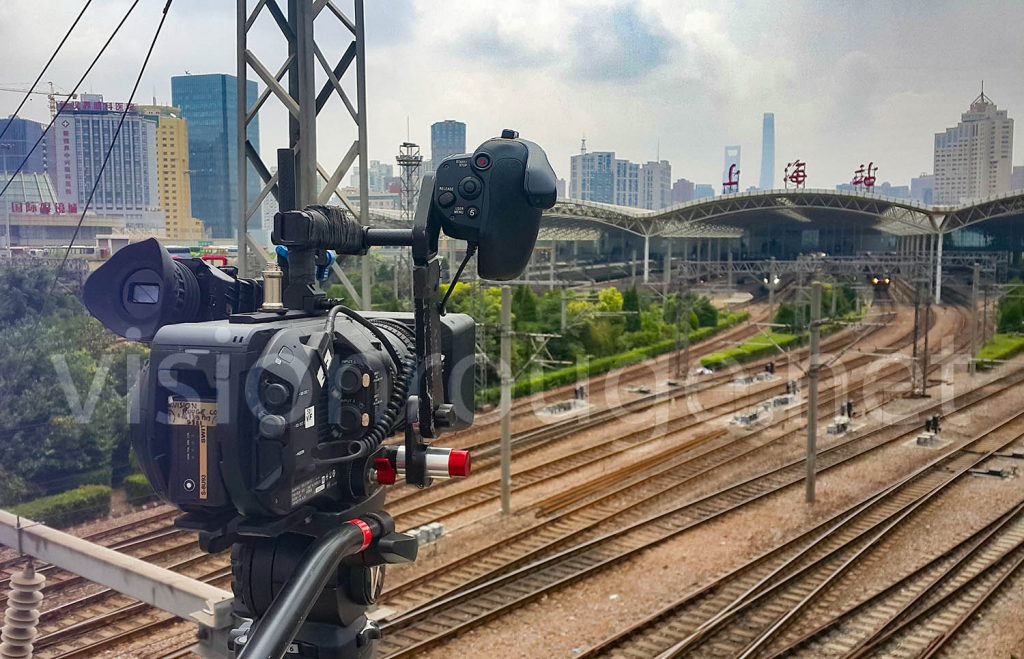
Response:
column 264, row 408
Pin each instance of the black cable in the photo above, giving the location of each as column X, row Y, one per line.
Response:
column 470, row 251
column 43, row 72
column 373, row 329
column 110, row 149
column 73, row 92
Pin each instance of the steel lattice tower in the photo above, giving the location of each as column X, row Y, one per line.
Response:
column 303, row 84
column 410, row 160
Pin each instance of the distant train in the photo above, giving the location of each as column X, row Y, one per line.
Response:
column 881, row 281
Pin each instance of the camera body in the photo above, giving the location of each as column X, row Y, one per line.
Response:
column 230, row 413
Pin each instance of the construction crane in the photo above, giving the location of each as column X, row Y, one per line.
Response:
column 50, row 95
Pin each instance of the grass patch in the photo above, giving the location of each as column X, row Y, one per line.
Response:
column 1000, row 348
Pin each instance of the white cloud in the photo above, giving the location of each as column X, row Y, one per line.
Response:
column 845, row 83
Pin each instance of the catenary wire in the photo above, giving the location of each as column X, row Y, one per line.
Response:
column 53, row 55
column 70, row 94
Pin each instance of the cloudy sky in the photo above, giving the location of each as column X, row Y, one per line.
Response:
column 848, row 81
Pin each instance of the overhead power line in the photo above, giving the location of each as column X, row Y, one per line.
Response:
column 70, row 95
column 110, row 149
column 31, row 88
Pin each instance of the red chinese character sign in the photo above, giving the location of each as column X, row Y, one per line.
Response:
column 796, row 173
column 865, row 176
column 733, row 184
column 42, row 208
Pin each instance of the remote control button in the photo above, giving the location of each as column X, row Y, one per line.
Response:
column 482, row 161
column 470, row 187
column 446, row 199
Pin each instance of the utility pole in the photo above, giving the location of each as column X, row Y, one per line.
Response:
column 917, row 329
column 984, row 319
column 812, row 390
column 973, row 346
column 506, row 400
column 565, row 314
column 924, row 356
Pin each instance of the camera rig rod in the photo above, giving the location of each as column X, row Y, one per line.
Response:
column 277, row 628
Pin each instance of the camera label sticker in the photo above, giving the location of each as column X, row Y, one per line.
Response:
column 310, row 416
column 311, row 487
column 194, row 448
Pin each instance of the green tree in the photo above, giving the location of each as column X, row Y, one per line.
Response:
column 631, row 305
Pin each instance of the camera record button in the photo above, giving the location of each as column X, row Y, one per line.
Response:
column 482, row 161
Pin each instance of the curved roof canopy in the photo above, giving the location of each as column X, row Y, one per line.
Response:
column 727, row 216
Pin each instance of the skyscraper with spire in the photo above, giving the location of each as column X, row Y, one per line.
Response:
column 767, row 181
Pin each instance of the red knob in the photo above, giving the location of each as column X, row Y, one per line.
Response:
column 386, row 474
column 458, row 464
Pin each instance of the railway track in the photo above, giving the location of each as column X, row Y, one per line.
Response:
column 487, row 489
column 988, row 553
column 740, row 614
column 486, row 452
column 433, row 623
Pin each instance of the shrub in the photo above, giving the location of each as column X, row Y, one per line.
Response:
column 602, row 365
column 1001, row 347
column 68, row 508
column 138, row 490
column 759, row 346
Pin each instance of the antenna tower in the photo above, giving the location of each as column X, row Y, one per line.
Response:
column 410, row 160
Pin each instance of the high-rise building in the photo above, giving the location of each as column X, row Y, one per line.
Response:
column 1017, row 178
column 560, row 188
column 682, row 191
column 174, row 192
column 732, row 157
column 447, row 138
column 18, row 139
column 656, row 185
column 592, row 176
column 703, row 191
column 78, row 147
column 922, row 188
column 626, row 183
column 377, row 176
column 767, row 181
column 973, row 159
column 210, row 104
